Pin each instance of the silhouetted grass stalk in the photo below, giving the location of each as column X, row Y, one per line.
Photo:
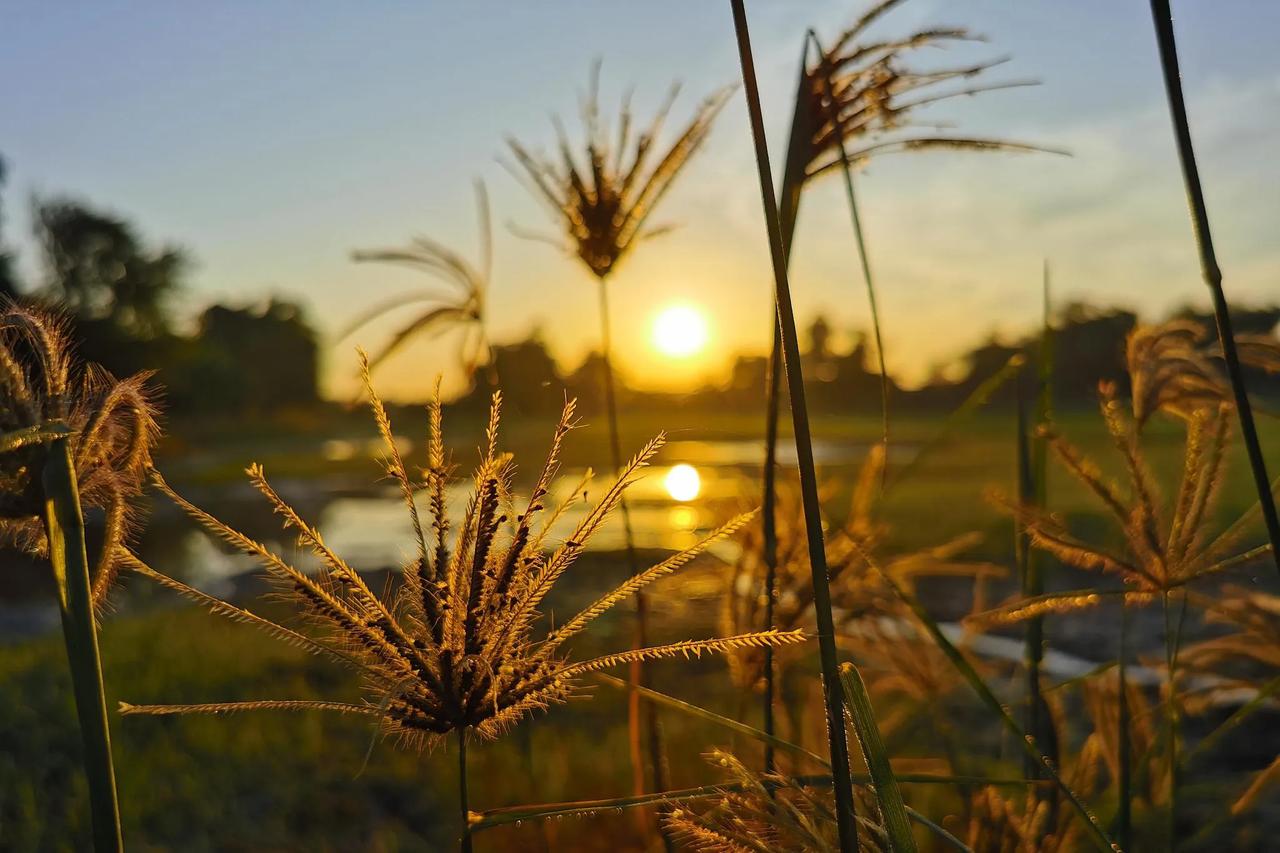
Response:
column 845, row 817
column 1033, row 491
column 465, row 843
column 1163, row 20
column 1172, row 642
column 641, row 723
column 64, row 526
column 1124, row 785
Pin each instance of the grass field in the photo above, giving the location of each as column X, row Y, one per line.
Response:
column 282, row 781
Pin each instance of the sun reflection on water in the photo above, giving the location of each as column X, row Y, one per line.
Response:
column 682, row 482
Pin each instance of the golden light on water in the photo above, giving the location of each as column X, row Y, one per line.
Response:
column 680, row 331
column 682, row 482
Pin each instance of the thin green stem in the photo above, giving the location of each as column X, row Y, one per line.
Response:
column 1173, row 643
column 839, row 748
column 1124, row 784
column 64, row 525
column 465, row 844
column 1167, row 43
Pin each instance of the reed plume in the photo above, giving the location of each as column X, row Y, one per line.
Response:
column 602, row 199
column 457, row 649
column 1166, row 547
column 109, row 425
column 1175, row 368
column 462, row 304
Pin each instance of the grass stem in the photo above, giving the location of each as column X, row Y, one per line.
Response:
column 465, row 844
column 641, row 722
column 64, row 525
column 1124, row 785
column 1163, row 19
column 839, row 749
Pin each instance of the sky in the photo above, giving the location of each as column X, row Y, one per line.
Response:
column 272, row 139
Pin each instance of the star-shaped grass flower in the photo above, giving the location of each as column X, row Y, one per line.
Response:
column 458, row 648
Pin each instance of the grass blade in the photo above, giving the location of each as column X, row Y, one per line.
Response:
column 892, row 809
column 978, row 398
column 64, row 524
column 1163, row 19
column 766, row 737
column 839, row 749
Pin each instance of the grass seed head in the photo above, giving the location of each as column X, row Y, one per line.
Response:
column 111, row 426
column 602, row 195
column 458, row 647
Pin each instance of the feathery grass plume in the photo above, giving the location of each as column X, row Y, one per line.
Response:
column 110, row 426
column 603, row 198
column 1175, row 368
column 863, row 92
column 1166, row 547
column 456, row 650
column 1104, row 747
column 462, row 304
column 1171, row 370
column 857, row 591
column 1004, row 824
column 768, row 812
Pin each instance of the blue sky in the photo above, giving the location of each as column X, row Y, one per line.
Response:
column 273, row 138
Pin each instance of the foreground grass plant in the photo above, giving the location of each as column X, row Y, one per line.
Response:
column 1166, row 41
column 846, row 818
column 853, row 103
column 71, row 437
column 455, row 650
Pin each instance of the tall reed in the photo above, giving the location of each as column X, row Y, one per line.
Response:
column 1033, row 491
column 64, row 527
column 1167, row 44
column 839, row 748
column 602, row 200
column 861, row 90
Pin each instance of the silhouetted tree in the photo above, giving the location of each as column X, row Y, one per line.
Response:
column 253, row 359
column 97, row 269
column 8, row 277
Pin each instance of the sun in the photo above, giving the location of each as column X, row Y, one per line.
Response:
column 680, row 331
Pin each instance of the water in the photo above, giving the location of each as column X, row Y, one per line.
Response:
column 690, row 488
